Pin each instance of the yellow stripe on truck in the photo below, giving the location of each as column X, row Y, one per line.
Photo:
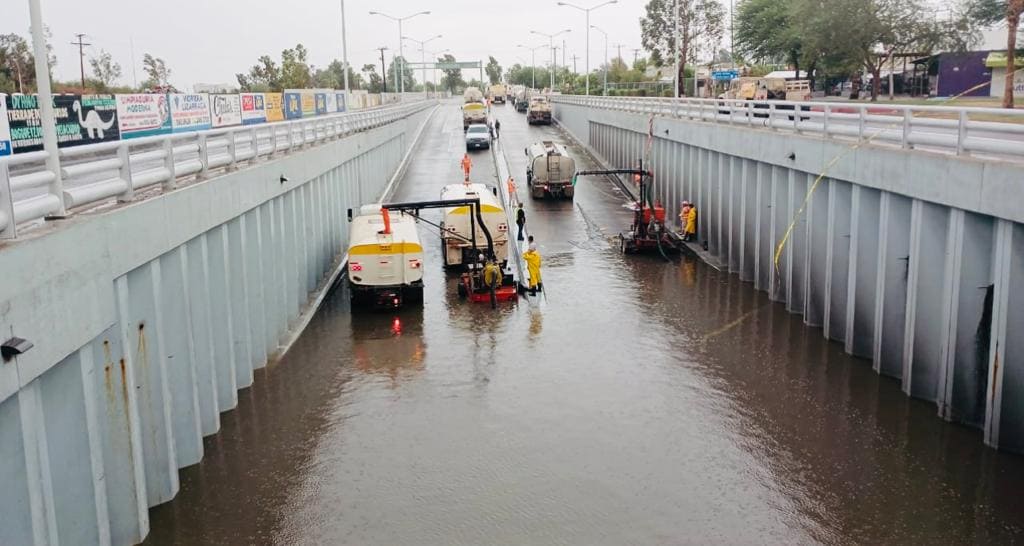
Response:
column 384, row 249
column 483, row 208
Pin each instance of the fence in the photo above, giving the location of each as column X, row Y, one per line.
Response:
column 118, row 171
column 958, row 131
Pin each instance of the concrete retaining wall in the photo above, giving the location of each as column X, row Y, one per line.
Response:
column 914, row 260
column 147, row 319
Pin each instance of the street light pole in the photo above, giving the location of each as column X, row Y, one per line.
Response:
column 400, row 87
column 605, row 93
column 344, row 56
column 423, row 60
column 45, row 101
column 676, row 48
column 533, row 63
column 551, row 45
column 587, row 11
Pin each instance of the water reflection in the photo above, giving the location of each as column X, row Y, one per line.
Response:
column 389, row 343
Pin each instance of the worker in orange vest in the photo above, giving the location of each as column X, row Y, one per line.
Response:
column 467, row 164
column 512, row 197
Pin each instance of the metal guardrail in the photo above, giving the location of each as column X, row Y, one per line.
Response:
column 114, row 171
column 958, row 131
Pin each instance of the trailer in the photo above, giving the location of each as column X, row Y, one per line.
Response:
column 385, row 259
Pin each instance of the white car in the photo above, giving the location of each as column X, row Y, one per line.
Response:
column 478, row 135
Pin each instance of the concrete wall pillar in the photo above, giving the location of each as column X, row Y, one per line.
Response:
column 796, row 257
column 763, row 228
column 734, row 183
column 1004, row 424
column 862, row 278
column 199, row 300
column 927, row 300
column 748, row 221
column 179, row 355
column 817, row 252
column 780, row 219
column 891, row 290
column 837, row 260
column 254, row 285
column 222, row 317
column 141, row 321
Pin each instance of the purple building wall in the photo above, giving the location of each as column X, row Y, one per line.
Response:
column 959, row 72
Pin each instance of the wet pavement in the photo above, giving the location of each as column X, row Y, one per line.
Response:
column 637, row 402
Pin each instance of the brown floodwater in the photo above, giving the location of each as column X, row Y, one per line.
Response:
column 638, row 401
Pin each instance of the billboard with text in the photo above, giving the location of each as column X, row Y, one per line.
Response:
column 254, row 108
column 275, row 106
column 5, row 130
column 140, row 115
column 292, row 105
column 225, row 110
column 189, row 112
column 81, row 119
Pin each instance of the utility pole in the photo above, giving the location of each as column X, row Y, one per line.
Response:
column 636, row 51
column 554, row 66
column 574, row 57
column 383, row 68
column 618, row 47
column 344, row 57
column 81, row 56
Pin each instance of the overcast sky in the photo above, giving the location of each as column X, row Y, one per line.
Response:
column 209, row 41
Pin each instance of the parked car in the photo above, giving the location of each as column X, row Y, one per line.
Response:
column 478, row 135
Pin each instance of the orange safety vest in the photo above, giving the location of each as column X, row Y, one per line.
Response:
column 466, row 163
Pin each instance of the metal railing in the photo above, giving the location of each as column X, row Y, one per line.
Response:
column 992, row 133
column 115, row 171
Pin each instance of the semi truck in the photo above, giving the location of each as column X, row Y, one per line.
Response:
column 497, row 93
column 549, row 170
column 539, row 110
column 474, row 110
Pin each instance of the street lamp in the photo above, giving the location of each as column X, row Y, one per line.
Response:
column 605, row 93
column 423, row 57
column 401, row 55
column 533, row 63
column 587, row 11
column 551, row 45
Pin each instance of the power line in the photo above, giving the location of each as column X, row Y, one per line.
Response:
column 81, row 55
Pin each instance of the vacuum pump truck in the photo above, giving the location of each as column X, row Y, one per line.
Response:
column 549, row 170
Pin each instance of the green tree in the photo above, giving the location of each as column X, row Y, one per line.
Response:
column 769, row 31
column 295, row 71
column 701, row 25
column 990, row 12
column 158, row 76
column 406, row 71
column 452, row 79
column 264, row 76
column 493, row 70
column 104, row 70
column 373, row 81
column 16, row 64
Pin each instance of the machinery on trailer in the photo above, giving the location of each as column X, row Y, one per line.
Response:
column 485, row 278
column 385, row 259
column 549, row 170
column 648, row 230
column 474, row 109
column 460, row 236
column 539, row 110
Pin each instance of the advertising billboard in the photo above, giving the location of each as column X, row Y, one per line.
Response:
column 5, row 130
column 254, row 108
column 140, row 115
column 332, row 102
column 292, row 105
column 320, row 104
column 225, row 110
column 308, row 104
column 340, row 101
column 189, row 112
column 81, row 119
column 274, row 105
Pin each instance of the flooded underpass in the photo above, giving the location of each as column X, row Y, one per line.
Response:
column 637, row 401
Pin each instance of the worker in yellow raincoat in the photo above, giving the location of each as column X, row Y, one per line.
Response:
column 532, row 258
column 691, row 224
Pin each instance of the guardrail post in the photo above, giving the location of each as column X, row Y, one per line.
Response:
column 254, row 139
column 961, row 132
column 861, row 121
column 771, row 116
column 290, row 126
column 168, row 184
column 905, row 141
column 273, row 140
column 231, row 150
column 125, row 172
column 825, row 114
column 8, row 230
column 204, row 157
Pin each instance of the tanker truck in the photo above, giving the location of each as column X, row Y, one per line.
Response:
column 474, row 110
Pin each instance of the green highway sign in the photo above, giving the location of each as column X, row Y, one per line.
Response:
column 456, row 65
